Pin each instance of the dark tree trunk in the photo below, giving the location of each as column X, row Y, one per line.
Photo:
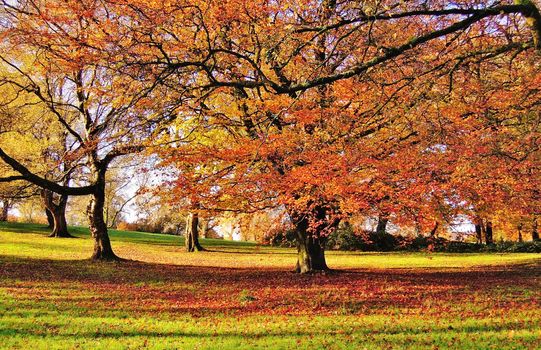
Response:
column 192, row 233
column 60, row 226
column 489, row 233
column 98, row 228
column 535, row 231
column 310, row 249
column 57, row 210
column 50, row 219
column 381, row 229
column 519, row 229
column 434, row 229
column 5, row 210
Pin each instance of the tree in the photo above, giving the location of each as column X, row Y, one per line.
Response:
column 106, row 112
column 317, row 108
column 314, row 107
column 12, row 193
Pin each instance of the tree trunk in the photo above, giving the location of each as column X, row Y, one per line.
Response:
column 381, row 229
column 434, row 229
column 479, row 230
column 57, row 210
column 310, row 249
column 60, row 226
column 203, row 228
column 98, row 229
column 519, row 229
column 5, row 210
column 192, row 233
column 535, row 232
column 489, row 233
column 50, row 218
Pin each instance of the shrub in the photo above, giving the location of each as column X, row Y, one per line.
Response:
column 346, row 239
column 280, row 238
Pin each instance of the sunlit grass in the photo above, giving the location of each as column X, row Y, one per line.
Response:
column 168, row 249
column 242, row 296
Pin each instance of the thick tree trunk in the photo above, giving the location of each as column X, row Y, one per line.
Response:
column 60, row 226
column 57, row 211
column 98, row 228
column 5, row 210
column 489, row 238
column 535, row 231
column 192, row 233
column 310, row 249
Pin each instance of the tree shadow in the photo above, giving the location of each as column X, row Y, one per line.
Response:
column 150, row 288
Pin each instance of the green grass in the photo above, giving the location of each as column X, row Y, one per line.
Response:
column 243, row 296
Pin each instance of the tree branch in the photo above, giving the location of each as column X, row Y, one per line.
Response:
column 42, row 182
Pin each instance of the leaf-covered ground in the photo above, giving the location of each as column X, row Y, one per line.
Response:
column 240, row 295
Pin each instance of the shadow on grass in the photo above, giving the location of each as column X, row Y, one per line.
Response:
column 148, row 288
column 389, row 330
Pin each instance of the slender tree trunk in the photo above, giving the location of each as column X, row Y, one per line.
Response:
column 98, row 228
column 479, row 228
column 434, row 229
column 5, row 210
column 50, row 218
column 489, row 238
column 310, row 249
column 519, row 229
column 192, row 233
column 479, row 233
column 535, row 232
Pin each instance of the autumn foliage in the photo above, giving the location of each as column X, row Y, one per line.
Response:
column 416, row 111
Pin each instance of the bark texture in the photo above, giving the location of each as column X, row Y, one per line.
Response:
column 56, row 206
column 489, row 237
column 192, row 233
column 50, row 219
column 5, row 210
column 310, row 249
column 311, row 236
column 479, row 228
column 98, row 227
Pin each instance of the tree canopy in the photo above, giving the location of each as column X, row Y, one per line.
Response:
column 414, row 110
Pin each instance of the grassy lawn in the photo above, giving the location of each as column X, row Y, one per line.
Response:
column 243, row 296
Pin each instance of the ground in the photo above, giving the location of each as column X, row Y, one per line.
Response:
column 244, row 296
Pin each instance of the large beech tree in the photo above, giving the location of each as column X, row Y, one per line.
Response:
column 328, row 108
column 105, row 112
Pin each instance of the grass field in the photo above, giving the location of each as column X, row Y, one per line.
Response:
column 243, row 296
